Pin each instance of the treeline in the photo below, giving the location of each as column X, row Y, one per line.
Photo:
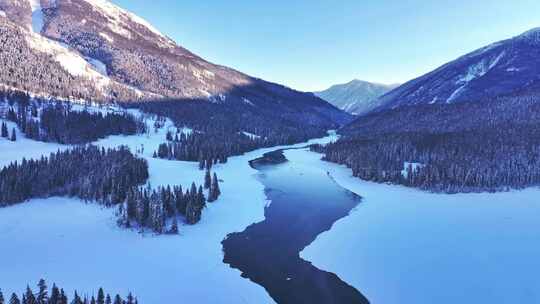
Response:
column 28, row 69
column 219, row 129
column 89, row 173
column 56, row 295
column 206, row 148
column 110, row 177
column 214, row 146
column 496, row 155
column 57, row 122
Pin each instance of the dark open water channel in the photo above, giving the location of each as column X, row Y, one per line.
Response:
column 304, row 204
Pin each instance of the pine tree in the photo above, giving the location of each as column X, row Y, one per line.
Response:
column 30, row 299
column 55, row 296
column 108, row 299
column 131, row 206
column 179, row 200
column 201, row 163
column 63, row 297
column 1, row 297
column 5, row 132
column 34, row 110
column 168, row 201
column 101, row 296
column 214, row 192
column 76, row 299
column 117, row 299
column 42, row 296
column 201, row 201
column 207, row 179
column 13, row 135
column 11, row 116
column 193, row 190
column 141, row 208
column 14, row 299
column 156, row 213
column 191, row 213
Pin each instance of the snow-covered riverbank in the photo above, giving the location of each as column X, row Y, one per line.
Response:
column 400, row 245
column 78, row 246
column 406, row 246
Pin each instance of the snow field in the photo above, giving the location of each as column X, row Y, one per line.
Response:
column 78, row 245
column 403, row 245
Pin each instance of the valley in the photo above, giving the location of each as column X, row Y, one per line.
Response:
column 371, row 249
column 134, row 170
column 85, row 235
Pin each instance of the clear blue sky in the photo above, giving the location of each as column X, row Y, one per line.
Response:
column 311, row 44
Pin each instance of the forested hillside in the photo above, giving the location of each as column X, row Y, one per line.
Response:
column 490, row 145
column 57, row 121
column 225, row 129
column 470, row 125
column 115, row 56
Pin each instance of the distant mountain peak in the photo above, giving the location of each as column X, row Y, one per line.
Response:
column 356, row 96
column 119, row 17
column 371, row 83
column 93, row 50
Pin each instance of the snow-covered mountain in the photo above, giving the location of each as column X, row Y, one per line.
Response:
column 95, row 50
column 356, row 97
column 501, row 68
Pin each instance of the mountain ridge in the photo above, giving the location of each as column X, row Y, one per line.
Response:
column 98, row 52
column 497, row 69
column 356, row 96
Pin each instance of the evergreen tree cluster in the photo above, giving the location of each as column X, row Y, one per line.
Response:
column 56, row 295
column 87, row 172
column 212, row 184
column 160, row 208
column 486, row 146
column 110, row 177
column 56, row 122
column 5, row 133
column 206, row 148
